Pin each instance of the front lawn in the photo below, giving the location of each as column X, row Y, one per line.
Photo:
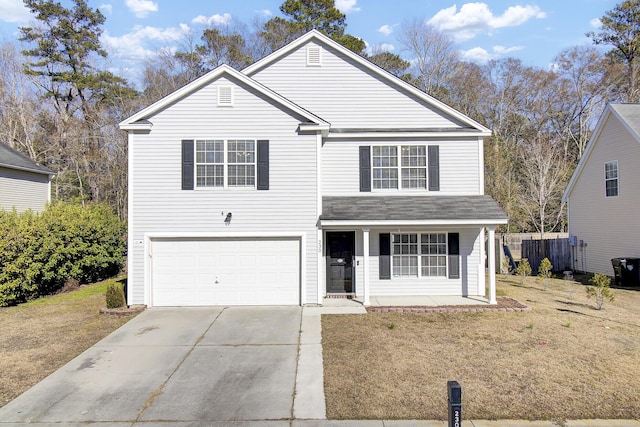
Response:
column 40, row 336
column 562, row 360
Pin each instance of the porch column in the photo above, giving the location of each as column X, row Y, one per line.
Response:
column 491, row 257
column 365, row 266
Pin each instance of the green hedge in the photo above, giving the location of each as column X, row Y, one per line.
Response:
column 40, row 252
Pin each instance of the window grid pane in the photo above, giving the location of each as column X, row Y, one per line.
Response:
column 611, row 178
column 241, row 157
column 385, row 167
column 209, row 163
column 405, row 255
column 414, row 166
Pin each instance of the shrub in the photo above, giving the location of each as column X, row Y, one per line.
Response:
column 39, row 253
column 600, row 289
column 523, row 270
column 545, row 271
column 115, row 295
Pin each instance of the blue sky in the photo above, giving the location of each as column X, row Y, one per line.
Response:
column 534, row 31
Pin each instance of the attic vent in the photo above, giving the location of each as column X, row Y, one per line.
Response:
column 314, row 56
column 225, row 96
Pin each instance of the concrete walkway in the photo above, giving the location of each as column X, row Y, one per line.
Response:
column 241, row 366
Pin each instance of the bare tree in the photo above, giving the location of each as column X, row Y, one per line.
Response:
column 582, row 93
column 545, row 172
column 18, row 104
column 434, row 56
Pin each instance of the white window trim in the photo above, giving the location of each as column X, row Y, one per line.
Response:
column 399, row 168
column 420, row 255
column 617, row 178
column 225, row 166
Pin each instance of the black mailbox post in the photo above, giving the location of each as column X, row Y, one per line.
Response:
column 455, row 403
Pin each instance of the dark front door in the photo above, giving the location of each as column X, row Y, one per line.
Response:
column 340, row 251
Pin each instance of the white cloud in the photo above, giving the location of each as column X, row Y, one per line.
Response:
column 106, row 8
column 475, row 18
column 141, row 8
column 386, row 29
column 481, row 56
column 265, row 12
column 378, row 48
column 347, row 6
column 595, row 23
column 216, row 19
column 143, row 42
column 14, row 11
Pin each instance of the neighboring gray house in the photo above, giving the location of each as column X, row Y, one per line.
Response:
column 313, row 172
column 603, row 194
column 24, row 184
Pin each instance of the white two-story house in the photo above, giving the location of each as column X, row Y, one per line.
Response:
column 311, row 173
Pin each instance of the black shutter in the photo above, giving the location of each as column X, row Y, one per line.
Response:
column 365, row 168
column 434, row 168
column 263, row 165
column 454, row 255
column 187, row 164
column 385, row 256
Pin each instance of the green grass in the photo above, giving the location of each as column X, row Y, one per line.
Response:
column 83, row 292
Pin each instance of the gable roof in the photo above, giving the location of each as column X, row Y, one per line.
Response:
column 13, row 159
column 374, row 69
column 139, row 120
column 628, row 115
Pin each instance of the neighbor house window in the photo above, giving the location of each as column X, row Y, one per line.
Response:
column 411, row 167
column 419, row 255
column 611, row 178
column 222, row 163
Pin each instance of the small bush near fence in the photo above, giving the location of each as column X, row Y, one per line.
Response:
column 39, row 253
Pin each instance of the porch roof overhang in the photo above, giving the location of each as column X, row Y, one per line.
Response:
column 374, row 211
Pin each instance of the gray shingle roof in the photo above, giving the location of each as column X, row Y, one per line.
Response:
column 630, row 113
column 411, row 208
column 13, row 159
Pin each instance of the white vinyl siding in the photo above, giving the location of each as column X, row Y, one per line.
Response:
column 159, row 205
column 608, row 225
column 23, row 190
column 459, row 167
column 346, row 94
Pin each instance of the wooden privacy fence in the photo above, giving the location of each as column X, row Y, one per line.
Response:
column 557, row 250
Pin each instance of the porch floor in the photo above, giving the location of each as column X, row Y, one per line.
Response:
column 407, row 301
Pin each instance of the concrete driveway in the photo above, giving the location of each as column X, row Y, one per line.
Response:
column 188, row 366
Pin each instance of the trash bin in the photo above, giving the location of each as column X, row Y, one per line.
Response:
column 626, row 271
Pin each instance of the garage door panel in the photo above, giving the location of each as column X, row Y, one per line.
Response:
column 225, row 272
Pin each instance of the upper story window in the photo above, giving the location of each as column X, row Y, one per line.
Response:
column 411, row 167
column 225, row 163
column 611, row 178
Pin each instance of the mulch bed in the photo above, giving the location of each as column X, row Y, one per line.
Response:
column 505, row 304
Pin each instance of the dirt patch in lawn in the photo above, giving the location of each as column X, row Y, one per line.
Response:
column 562, row 360
column 39, row 337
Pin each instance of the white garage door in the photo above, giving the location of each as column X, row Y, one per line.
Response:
column 197, row 272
